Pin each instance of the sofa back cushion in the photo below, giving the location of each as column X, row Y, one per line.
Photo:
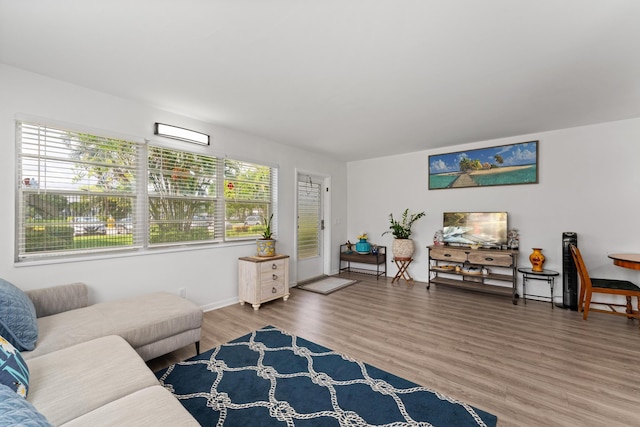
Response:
column 17, row 411
column 18, row 322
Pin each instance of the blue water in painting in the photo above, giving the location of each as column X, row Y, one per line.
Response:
column 520, row 176
column 441, row 181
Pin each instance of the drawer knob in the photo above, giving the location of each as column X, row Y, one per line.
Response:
column 447, row 255
column 274, row 267
column 274, row 290
column 488, row 259
column 275, row 276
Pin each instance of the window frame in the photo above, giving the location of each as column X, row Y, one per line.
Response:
column 269, row 203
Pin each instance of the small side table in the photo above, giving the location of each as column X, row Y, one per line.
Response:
column 262, row 279
column 548, row 276
column 403, row 264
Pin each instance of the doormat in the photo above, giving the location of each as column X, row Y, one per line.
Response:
column 326, row 285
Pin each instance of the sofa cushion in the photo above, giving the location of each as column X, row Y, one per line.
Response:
column 65, row 329
column 56, row 299
column 17, row 411
column 17, row 317
column 14, row 372
column 73, row 381
column 139, row 320
column 152, row 317
column 152, row 406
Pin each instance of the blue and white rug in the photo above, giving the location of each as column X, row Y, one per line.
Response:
column 272, row 378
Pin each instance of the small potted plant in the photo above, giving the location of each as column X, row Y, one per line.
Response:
column 402, row 246
column 267, row 245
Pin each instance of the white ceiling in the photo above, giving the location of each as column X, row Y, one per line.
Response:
column 352, row 79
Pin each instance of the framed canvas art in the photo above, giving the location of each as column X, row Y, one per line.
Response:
column 510, row 164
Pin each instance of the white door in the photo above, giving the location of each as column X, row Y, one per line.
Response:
column 310, row 227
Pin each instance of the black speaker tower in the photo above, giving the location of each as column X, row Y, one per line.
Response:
column 569, row 272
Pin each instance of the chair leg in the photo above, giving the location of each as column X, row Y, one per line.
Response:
column 587, row 303
column 629, row 308
column 197, row 348
column 581, row 299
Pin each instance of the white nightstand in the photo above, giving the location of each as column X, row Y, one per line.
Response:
column 262, row 279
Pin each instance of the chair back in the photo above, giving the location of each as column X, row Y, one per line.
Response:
column 585, row 280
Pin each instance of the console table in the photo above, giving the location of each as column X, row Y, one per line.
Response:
column 474, row 269
column 544, row 275
column 379, row 259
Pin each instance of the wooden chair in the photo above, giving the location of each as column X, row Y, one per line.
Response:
column 590, row 285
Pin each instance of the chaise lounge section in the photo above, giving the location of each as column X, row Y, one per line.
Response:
column 153, row 324
column 87, row 367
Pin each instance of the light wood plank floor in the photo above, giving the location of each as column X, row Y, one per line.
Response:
column 529, row 365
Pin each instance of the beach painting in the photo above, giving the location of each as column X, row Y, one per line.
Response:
column 500, row 165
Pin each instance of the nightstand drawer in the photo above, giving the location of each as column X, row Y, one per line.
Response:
column 271, row 290
column 276, row 267
column 272, row 277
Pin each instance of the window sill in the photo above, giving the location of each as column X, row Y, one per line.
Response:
column 132, row 253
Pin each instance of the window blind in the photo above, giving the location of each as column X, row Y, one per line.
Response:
column 309, row 217
column 183, row 202
column 249, row 193
column 79, row 193
column 76, row 192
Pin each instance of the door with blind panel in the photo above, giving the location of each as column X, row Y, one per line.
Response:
column 310, row 227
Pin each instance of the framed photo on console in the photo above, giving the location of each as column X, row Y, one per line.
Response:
column 510, row 164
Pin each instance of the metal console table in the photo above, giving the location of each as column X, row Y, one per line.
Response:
column 379, row 259
column 544, row 275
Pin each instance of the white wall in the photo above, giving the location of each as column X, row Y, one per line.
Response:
column 210, row 274
column 589, row 183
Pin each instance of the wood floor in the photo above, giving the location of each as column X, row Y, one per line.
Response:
column 529, row 365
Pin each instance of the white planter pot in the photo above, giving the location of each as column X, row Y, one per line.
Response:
column 402, row 248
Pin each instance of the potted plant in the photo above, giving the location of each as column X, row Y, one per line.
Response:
column 267, row 245
column 402, row 246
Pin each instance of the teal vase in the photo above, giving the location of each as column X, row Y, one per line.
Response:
column 363, row 247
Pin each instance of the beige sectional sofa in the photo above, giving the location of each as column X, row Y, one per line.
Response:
column 88, row 367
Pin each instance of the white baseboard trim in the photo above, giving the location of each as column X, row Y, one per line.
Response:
column 219, row 304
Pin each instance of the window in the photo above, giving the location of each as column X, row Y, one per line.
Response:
column 80, row 193
column 249, row 192
column 75, row 192
column 309, row 218
column 182, row 196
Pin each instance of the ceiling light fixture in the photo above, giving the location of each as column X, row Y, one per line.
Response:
column 181, row 134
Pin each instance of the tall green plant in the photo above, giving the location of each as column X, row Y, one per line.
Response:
column 267, row 233
column 402, row 229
